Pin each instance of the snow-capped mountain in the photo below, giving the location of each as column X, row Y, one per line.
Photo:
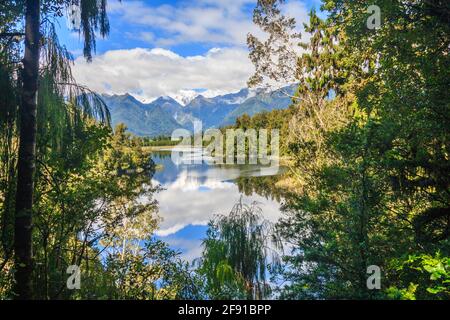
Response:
column 165, row 114
column 184, row 97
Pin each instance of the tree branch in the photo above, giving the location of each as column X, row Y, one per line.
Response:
column 11, row 34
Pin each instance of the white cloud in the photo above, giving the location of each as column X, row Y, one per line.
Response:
column 150, row 73
column 191, row 248
column 297, row 10
column 204, row 21
column 221, row 22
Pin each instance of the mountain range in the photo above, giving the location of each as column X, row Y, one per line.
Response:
column 163, row 115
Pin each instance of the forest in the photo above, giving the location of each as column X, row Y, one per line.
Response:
column 366, row 143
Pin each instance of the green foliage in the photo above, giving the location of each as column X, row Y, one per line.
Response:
column 275, row 119
column 428, row 277
column 159, row 141
column 151, row 272
column 369, row 139
column 235, row 257
column 93, row 204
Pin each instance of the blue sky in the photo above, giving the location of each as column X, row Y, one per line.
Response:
column 173, row 47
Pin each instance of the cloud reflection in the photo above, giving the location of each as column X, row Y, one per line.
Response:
column 193, row 194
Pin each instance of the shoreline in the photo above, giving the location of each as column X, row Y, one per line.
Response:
column 157, row 148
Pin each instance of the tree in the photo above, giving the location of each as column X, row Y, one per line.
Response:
column 404, row 98
column 276, row 57
column 370, row 143
column 93, row 17
column 27, row 153
column 235, row 257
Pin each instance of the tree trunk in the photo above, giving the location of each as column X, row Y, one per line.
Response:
column 27, row 153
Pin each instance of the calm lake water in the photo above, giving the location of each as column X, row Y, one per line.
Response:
column 192, row 194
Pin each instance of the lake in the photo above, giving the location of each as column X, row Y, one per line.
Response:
column 193, row 193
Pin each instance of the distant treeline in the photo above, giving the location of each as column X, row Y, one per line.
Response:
column 160, row 141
